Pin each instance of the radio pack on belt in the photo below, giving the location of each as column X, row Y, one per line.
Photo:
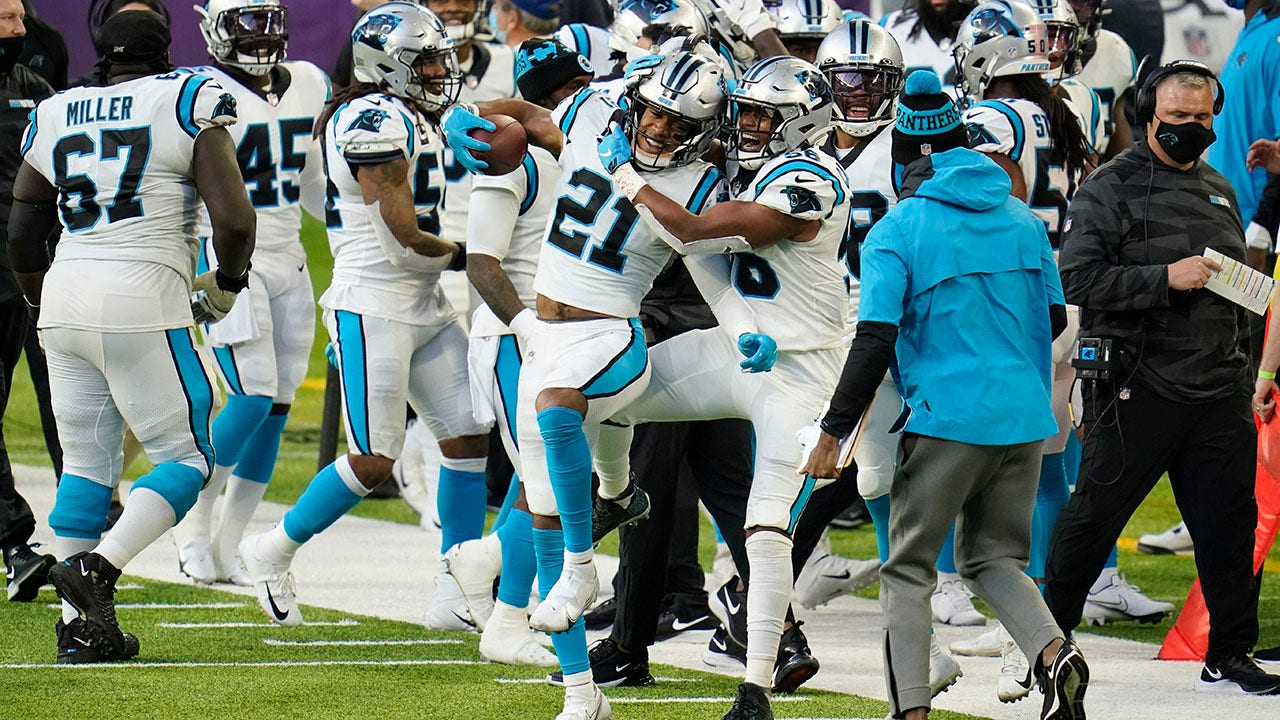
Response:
column 1092, row 359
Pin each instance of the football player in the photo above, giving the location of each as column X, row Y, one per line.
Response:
column 586, row 357
column 395, row 337
column 926, row 33
column 1109, row 69
column 780, row 299
column 123, row 167
column 262, row 347
column 802, row 24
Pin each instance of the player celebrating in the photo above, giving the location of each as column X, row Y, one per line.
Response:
column 587, row 358
column 124, row 166
column 395, row 336
column 780, row 296
column 263, row 345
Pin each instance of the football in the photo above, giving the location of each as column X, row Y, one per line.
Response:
column 507, row 144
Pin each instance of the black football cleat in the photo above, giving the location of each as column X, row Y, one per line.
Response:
column 88, row 583
column 74, row 647
column 27, row 571
column 796, row 663
column 752, row 703
column 609, row 515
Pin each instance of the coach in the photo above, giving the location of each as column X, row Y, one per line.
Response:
column 1178, row 396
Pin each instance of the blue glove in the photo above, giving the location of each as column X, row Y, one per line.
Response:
column 760, row 350
column 456, row 123
column 640, row 64
column 613, row 147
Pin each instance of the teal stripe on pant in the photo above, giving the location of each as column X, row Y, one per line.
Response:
column 354, row 373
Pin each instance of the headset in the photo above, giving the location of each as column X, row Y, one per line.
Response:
column 1146, row 109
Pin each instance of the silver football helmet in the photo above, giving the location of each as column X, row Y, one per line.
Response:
column 864, row 66
column 792, row 95
column 251, row 35
column 687, row 87
column 1064, row 37
column 999, row 38
column 634, row 16
column 804, row 18
column 393, row 44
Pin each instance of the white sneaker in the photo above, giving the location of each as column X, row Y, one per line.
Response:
column 1175, row 540
column 572, row 594
column 985, row 645
column 270, row 574
column 195, row 560
column 1120, row 601
column 825, row 578
column 944, row 671
column 237, row 575
column 507, row 639
column 953, row 605
column 593, row 706
column 1015, row 679
column 448, row 607
column 475, row 564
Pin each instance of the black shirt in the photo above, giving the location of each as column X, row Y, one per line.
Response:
column 1130, row 219
column 20, row 90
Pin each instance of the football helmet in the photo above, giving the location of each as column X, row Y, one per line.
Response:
column 251, row 35
column 999, row 38
column 805, row 18
column 864, row 66
column 686, row 86
column 392, row 43
column 1093, row 11
column 1064, row 37
column 796, row 98
column 634, row 16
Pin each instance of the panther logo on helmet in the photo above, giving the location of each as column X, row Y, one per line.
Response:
column 374, row 31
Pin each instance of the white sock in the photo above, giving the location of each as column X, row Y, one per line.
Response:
column 63, row 548
column 578, row 558
column 1104, row 580
column 947, row 577
column 578, row 683
column 613, row 461
column 199, row 518
column 243, row 498
column 769, row 554
column 280, row 542
column 146, row 517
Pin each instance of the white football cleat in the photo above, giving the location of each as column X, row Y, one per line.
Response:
column 507, row 639
column 582, row 706
column 944, row 671
column 1015, row 681
column 825, row 578
column 448, row 609
column 1120, row 601
column 195, row 560
column 952, row 604
column 270, row 575
column 572, row 594
column 475, row 564
column 1175, row 540
column 985, row 645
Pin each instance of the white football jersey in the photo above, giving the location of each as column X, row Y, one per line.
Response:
column 1019, row 129
column 490, row 75
column 1110, row 72
column 598, row 254
column 797, row 290
column 533, row 186
column 1204, row 30
column 273, row 139
column 872, row 193
column 1087, row 107
column 921, row 52
column 120, row 157
column 590, row 42
column 368, row 130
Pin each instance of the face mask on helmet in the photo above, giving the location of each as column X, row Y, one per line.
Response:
column 403, row 49
column 252, row 37
column 435, row 79
column 660, row 139
column 1064, row 49
column 782, row 104
column 459, row 22
column 865, row 94
column 754, row 135
column 675, row 110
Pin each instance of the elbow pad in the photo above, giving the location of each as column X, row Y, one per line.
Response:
column 30, row 227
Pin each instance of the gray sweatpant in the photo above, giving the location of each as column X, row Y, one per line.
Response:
column 989, row 491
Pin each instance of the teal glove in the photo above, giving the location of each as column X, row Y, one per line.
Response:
column 761, row 352
column 457, row 122
column 613, row 147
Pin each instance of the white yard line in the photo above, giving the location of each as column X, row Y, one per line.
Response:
column 354, row 643
column 172, row 606
column 273, row 664
column 345, row 622
column 695, row 700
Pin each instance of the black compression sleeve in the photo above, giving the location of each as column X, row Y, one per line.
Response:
column 869, row 359
column 1268, row 213
column 30, row 227
column 1057, row 319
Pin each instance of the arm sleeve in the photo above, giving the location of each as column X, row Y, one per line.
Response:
column 371, row 130
column 864, row 369
column 1091, row 277
column 711, row 274
column 495, row 208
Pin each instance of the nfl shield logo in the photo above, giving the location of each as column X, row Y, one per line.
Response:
column 1197, row 41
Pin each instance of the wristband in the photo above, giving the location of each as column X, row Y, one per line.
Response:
column 230, row 284
column 628, row 181
column 1263, row 374
column 459, row 261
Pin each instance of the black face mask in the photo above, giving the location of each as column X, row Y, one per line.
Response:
column 1185, row 142
column 10, row 51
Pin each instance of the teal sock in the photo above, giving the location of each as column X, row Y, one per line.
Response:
column 569, row 465
column 508, row 502
column 460, row 500
column 570, row 645
column 879, row 510
column 326, row 499
column 519, row 563
column 947, row 556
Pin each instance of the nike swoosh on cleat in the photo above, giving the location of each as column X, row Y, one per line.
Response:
column 720, row 645
column 464, row 620
column 84, row 572
column 1215, row 674
column 680, row 626
column 728, row 603
column 275, row 609
column 842, row 576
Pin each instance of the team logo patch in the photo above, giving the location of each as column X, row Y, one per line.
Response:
column 814, row 83
column 802, row 200
column 373, row 31
column 979, row 135
column 368, row 119
column 226, row 106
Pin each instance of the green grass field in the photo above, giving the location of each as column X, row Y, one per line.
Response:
column 394, row 680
